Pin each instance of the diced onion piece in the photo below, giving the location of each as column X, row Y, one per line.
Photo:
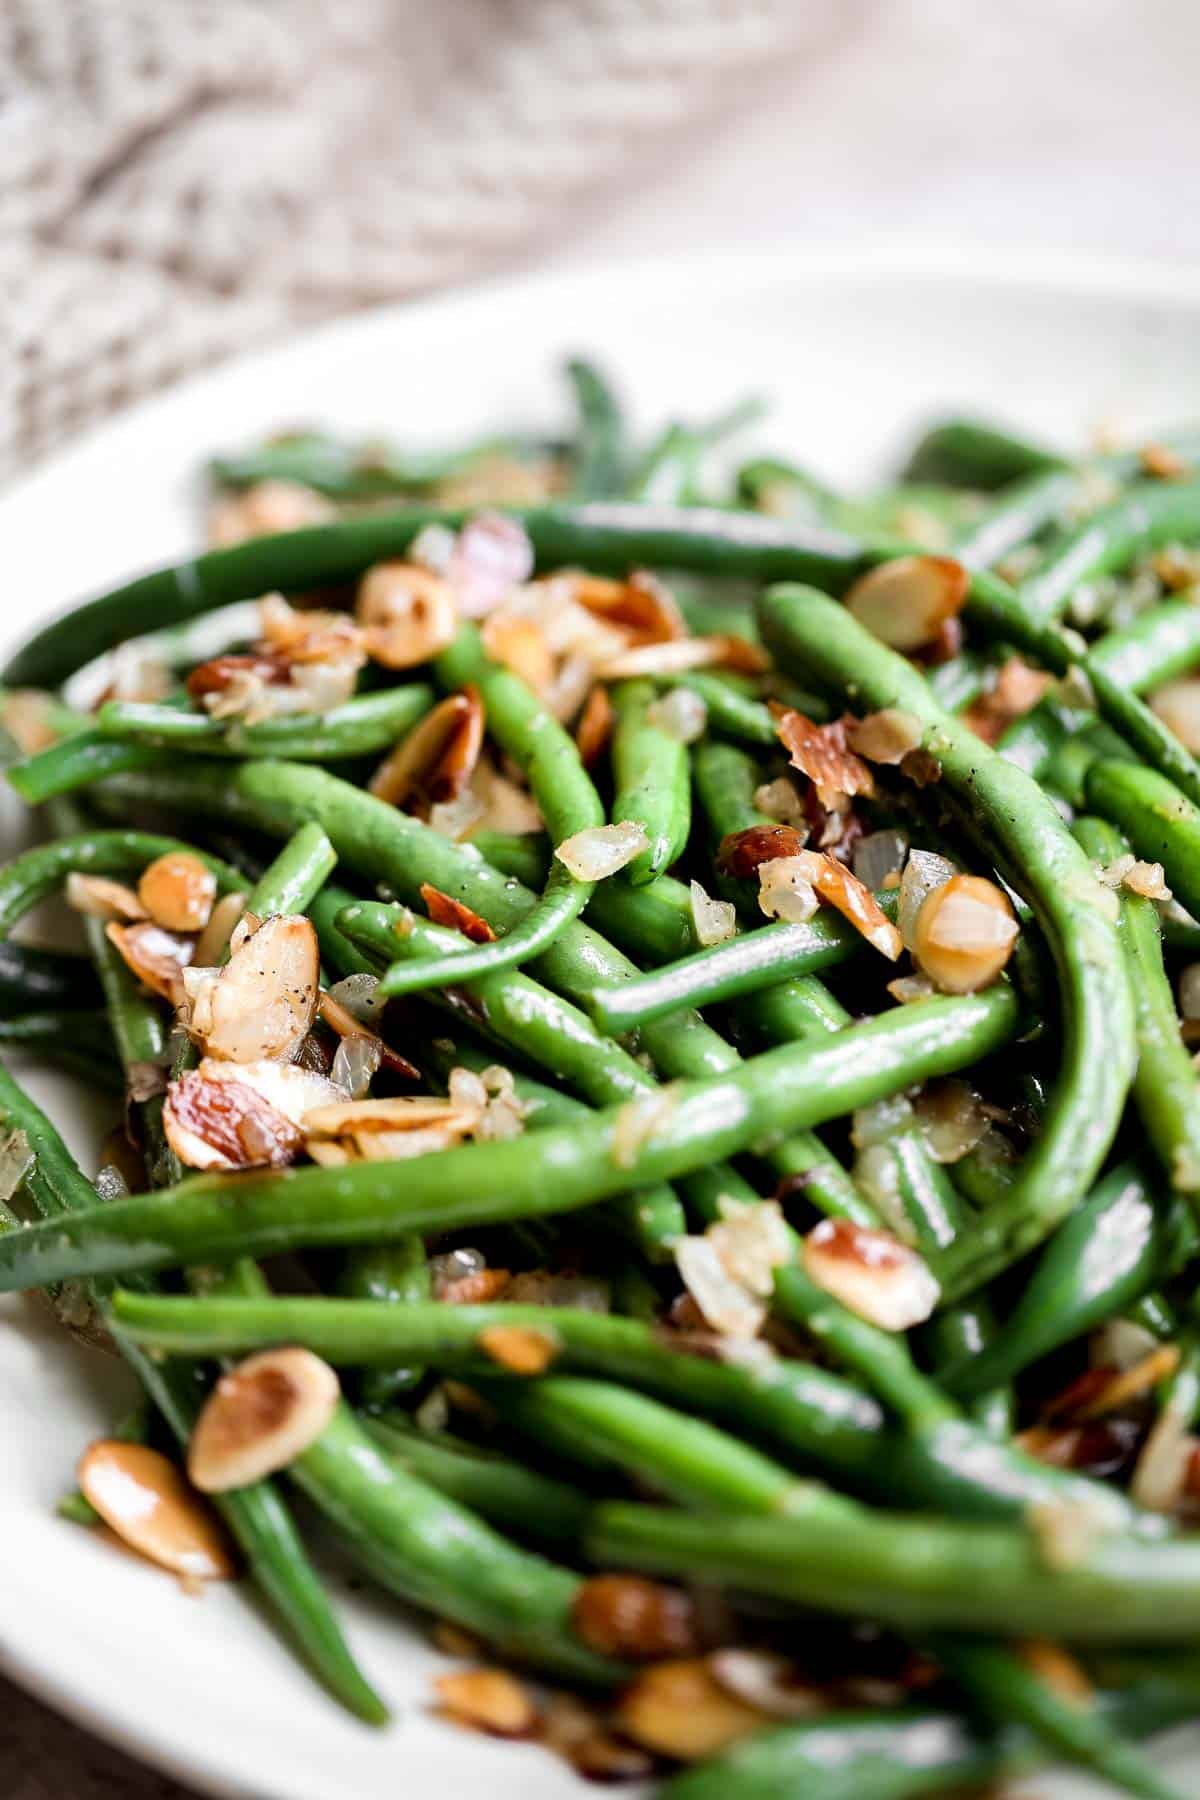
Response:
column 265, row 1001
column 885, row 737
column 601, row 850
column 1121, row 1344
column 780, row 800
column 520, row 644
column 952, row 1119
column 905, row 602
column 1177, row 704
column 752, row 1241
column 637, row 1123
column 492, row 555
column 489, row 1700
column 785, row 890
column 878, row 855
column 143, row 1498
column 880, row 1122
column 1160, row 1476
column 728, row 1307
column 26, row 716
column 965, row 934
column 713, row 920
column 907, row 989
column 407, row 614
column 680, row 713
column 521, row 1349
column 1189, row 991
column 770, row 1682
column 356, row 1062
column 101, row 898
column 872, row 1273
column 1067, row 1530
column 262, row 1414
column 1146, row 879
column 454, row 819
column 360, row 996
column 178, row 891
column 923, row 872
column 681, row 1710
column 507, row 807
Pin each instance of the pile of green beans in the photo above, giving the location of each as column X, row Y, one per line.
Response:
column 928, row 1202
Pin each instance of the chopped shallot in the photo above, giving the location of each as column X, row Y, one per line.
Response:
column 600, row 850
column 885, row 737
column 965, row 933
column 681, row 714
column 923, row 872
column 712, row 920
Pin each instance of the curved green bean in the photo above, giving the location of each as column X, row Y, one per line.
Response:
column 367, row 723
column 38, row 872
column 652, row 783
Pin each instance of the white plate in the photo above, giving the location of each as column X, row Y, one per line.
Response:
column 856, row 350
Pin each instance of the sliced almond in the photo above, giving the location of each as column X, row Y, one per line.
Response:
column 220, row 673
column 407, row 614
column 101, row 898
column 871, row 1272
column 680, row 1709
column 265, row 999
column 742, row 853
column 833, row 881
column 488, row 1700
column 521, row 646
column 445, row 910
column 262, row 1414
column 965, row 933
column 158, row 958
column 226, row 1124
column 519, row 1348
column 906, row 602
column 595, row 726
column 1016, row 690
column 673, row 658
column 823, row 753
column 643, row 604
column 265, row 508
column 404, row 1113
column 632, row 1616
column 885, row 737
column 309, row 634
column 178, row 891
column 401, row 1146
column 768, row 1681
column 433, row 764
column 143, row 1498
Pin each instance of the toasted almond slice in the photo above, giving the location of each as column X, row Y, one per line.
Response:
column 157, row 957
column 520, row 644
column 178, row 891
column 643, row 604
column 843, row 890
column 822, row 753
column 260, row 1416
column 310, row 634
column 519, row 1348
column 742, row 853
column 221, row 672
column 1016, row 690
column 632, row 1616
column 410, row 1112
column 785, row 891
column 965, row 933
column 885, row 737
column 265, row 1000
column 489, row 1700
column 871, row 1272
column 101, row 898
column 444, row 909
column 407, row 614
column 595, row 726
column 600, row 850
column 265, row 508
column 905, row 602
column 679, row 1709
column 674, row 657
column 146, row 1501
column 1130, row 1384
column 400, row 1146
column 226, row 1124
column 432, row 765
column 290, row 1088
column 506, row 806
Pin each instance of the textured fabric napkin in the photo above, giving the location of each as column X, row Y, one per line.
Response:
column 184, row 177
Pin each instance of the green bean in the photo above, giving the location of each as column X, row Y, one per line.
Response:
column 38, row 872
column 811, row 631
column 1147, row 515
column 76, row 762
column 1162, row 824
column 600, row 453
column 214, row 1218
column 1166, row 1091
column 954, row 684
column 738, row 715
column 398, row 1274
column 359, row 726
column 429, row 1549
column 972, row 453
column 525, row 855
column 669, row 472
column 651, row 779
column 1161, row 643
column 42, row 981
column 502, row 1491
column 1119, row 1243
column 784, row 490
column 360, row 472
column 914, row 1574
column 79, row 1042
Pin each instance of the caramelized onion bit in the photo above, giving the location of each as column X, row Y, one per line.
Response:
column 965, row 933
column 632, row 1616
column 822, row 752
column 600, row 850
column 872, row 1273
column 407, row 614
column 906, row 602
column 680, row 1709
column 178, row 891
column 785, row 890
column 443, row 909
column 712, row 920
column 679, row 713
column 923, row 872
column 146, row 1501
column 260, row 1416
column 435, row 761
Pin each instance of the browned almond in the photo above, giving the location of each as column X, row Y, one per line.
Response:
column 310, row 634
column 265, row 508
column 214, row 676
column 741, row 852
column 1163, row 462
column 407, row 614
column 146, row 1501
column 101, row 898
column 519, row 1348
column 213, row 941
column 632, row 1616
column 643, row 604
column 265, row 999
column 408, row 1112
column 474, row 1289
column 844, row 891
column 443, row 909
column 822, row 752
column 965, row 933
column 157, row 957
column 27, row 719
column 520, row 644
column 1015, row 691
column 1130, row 1384
column 433, row 764
column 595, row 726
column 679, row 654
column 1057, row 1669
column 884, row 737
column 906, row 602
column 871, row 1272
column 226, row 1124
column 488, row 1700
column 679, row 1709
column 178, row 891
column 260, row 1416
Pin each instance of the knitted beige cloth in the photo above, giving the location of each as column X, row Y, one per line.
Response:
column 179, row 178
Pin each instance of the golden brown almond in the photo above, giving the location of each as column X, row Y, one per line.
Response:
column 906, row 602
column 679, row 1709
column 674, row 657
column 261, row 1415
column 823, row 753
column 265, row 1000
column 407, row 614
column 520, row 644
column 434, row 762
column 445, row 910
column 264, row 508
column 143, row 1498
column 519, row 1348
column 474, row 1289
column 849, row 896
column 595, row 727
column 965, row 933
column 742, row 852
column 406, row 1112
column 220, row 1124
column 157, row 957
column 632, row 1616
column 643, row 604
column 178, row 891
column 101, row 898
column 871, row 1272
column 301, row 635
column 222, row 672
column 884, row 737
column 487, row 1700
